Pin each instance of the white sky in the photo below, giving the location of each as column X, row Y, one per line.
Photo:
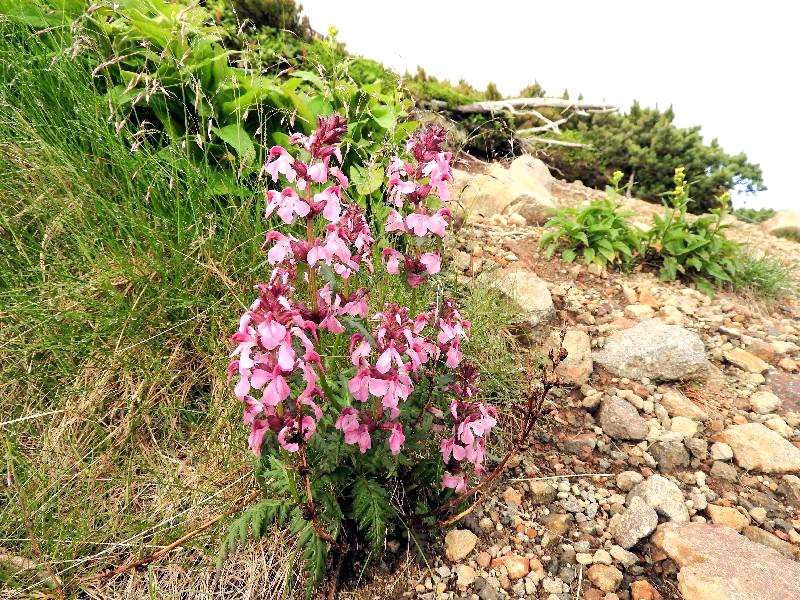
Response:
column 731, row 67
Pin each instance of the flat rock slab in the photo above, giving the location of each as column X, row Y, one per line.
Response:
column 719, row 564
column 758, row 448
column 654, row 350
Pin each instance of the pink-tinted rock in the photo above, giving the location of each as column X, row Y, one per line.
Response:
column 716, row 563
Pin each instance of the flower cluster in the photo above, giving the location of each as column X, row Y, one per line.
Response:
column 411, row 184
column 281, row 340
column 472, row 421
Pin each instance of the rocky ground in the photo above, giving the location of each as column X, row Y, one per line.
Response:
column 667, row 465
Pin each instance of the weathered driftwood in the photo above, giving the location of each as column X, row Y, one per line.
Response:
column 529, row 105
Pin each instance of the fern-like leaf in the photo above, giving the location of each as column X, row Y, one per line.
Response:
column 372, row 510
column 315, row 551
column 253, row 522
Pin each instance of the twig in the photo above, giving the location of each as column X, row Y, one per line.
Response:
column 33, row 416
column 561, row 477
column 580, row 581
column 305, row 471
column 336, row 574
column 119, row 569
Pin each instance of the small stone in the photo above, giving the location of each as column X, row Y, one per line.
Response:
column 627, row 479
column 465, row 576
column 759, row 514
column 516, row 566
column 637, row 522
column 639, row 312
column 779, row 426
column 789, row 488
column 764, row 403
column 697, row 447
column 684, row 425
column 758, row 448
column 486, row 525
column 728, row 516
column 627, row 559
column 654, row 350
column 583, row 558
column 602, row 557
column 678, row 405
column 459, row 543
column 643, row 590
column 723, row 470
column 721, row 451
column 620, row 420
column 483, row 559
column 605, row 577
column 542, row 492
column 669, row 456
column 663, row 495
column 512, row 495
column 745, row 361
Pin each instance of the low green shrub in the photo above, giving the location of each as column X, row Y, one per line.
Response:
column 696, row 249
column 754, row 215
column 598, row 233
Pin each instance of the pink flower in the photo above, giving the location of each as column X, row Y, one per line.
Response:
column 432, row 262
column 354, row 431
column 458, row 482
column 280, row 161
column 396, row 438
column 318, row 172
column 394, row 222
column 289, row 434
column 287, row 203
column 391, row 258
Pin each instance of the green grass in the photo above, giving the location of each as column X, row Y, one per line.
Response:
column 121, row 278
column 766, row 278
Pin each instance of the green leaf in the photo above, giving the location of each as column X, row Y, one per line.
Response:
column 607, row 254
column 704, row 286
column 568, row 255
column 253, row 522
column 235, row 136
column 588, row 255
column 372, row 510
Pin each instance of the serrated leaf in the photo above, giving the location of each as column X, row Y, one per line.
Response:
column 372, row 510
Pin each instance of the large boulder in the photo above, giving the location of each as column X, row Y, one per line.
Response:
column 654, row 350
column 523, row 187
column 716, row 563
column 785, row 223
column 758, row 448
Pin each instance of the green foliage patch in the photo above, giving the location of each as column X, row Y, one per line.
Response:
column 598, row 233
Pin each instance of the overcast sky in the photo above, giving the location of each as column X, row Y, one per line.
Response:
column 731, row 67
